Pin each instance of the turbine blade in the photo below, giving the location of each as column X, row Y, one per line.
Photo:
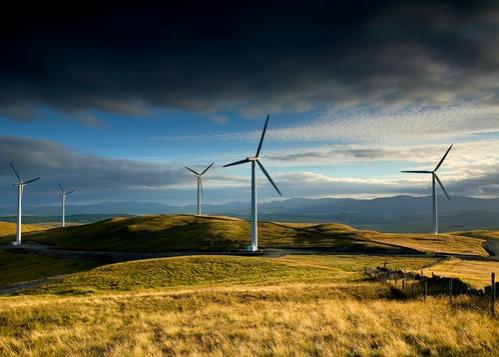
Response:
column 417, row 172
column 237, row 163
column 60, row 186
column 191, row 170
column 443, row 188
column 33, row 180
column 67, row 193
column 263, row 136
column 268, row 177
column 15, row 171
column 443, row 158
column 202, row 173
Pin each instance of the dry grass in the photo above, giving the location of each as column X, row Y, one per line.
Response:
column 8, row 228
column 355, row 264
column 476, row 273
column 479, row 233
column 299, row 319
column 431, row 243
column 453, row 243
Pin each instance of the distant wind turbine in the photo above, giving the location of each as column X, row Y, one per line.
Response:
column 63, row 199
column 434, row 179
column 20, row 190
column 254, row 214
column 199, row 177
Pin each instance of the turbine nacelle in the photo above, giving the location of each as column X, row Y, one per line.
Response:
column 434, row 173
column 64, row 193
column 252, row 158
column 21, row 182
column 197, row 174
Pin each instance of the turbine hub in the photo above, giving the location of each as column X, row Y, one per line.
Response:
column 253, row 158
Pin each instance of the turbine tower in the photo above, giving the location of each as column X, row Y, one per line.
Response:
column 434, row 180
column 63, row 199
column 20, row 190
column 255, row 160
column 199, row 177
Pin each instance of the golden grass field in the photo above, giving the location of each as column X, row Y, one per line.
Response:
column 430, row 243
column 183, row 232
column 473, row 272
column 8, row 228
column 209, row 305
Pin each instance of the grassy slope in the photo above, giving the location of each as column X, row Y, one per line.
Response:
column 225, row 270
column 174, row 232
column 8, row 228
column 447, row 243
column 480, row 234
column 476, row 273
column 17, row 266
column 334, row 313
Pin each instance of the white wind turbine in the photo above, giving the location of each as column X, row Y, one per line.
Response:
column 20, row 190
column 63, row 199
column 254, row 214
column 434, row 179
column 199, row 177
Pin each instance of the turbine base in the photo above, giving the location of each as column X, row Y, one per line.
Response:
column 251, row 248
column 15, row 243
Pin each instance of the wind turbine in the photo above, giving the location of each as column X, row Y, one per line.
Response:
column 254, row 214
column 63, row 198
column 434, row 179
column 199, row 177
column 20, row 190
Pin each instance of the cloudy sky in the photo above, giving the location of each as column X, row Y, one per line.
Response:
column 114, row 100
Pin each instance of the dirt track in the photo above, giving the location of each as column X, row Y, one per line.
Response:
column 24, row 285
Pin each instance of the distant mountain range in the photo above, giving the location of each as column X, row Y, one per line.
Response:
column 392, row 214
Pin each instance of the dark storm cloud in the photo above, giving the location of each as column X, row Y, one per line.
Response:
column 270, row 56
column 55, row 162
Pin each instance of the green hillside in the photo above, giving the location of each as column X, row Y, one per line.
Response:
column 185, row 232
column 212, row 270
column 179, row 271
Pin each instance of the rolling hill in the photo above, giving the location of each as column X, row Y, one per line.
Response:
column 209, row 270
column 185, row 232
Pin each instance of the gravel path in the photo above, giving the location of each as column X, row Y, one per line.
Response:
column 114, row 256
column 110, row 256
